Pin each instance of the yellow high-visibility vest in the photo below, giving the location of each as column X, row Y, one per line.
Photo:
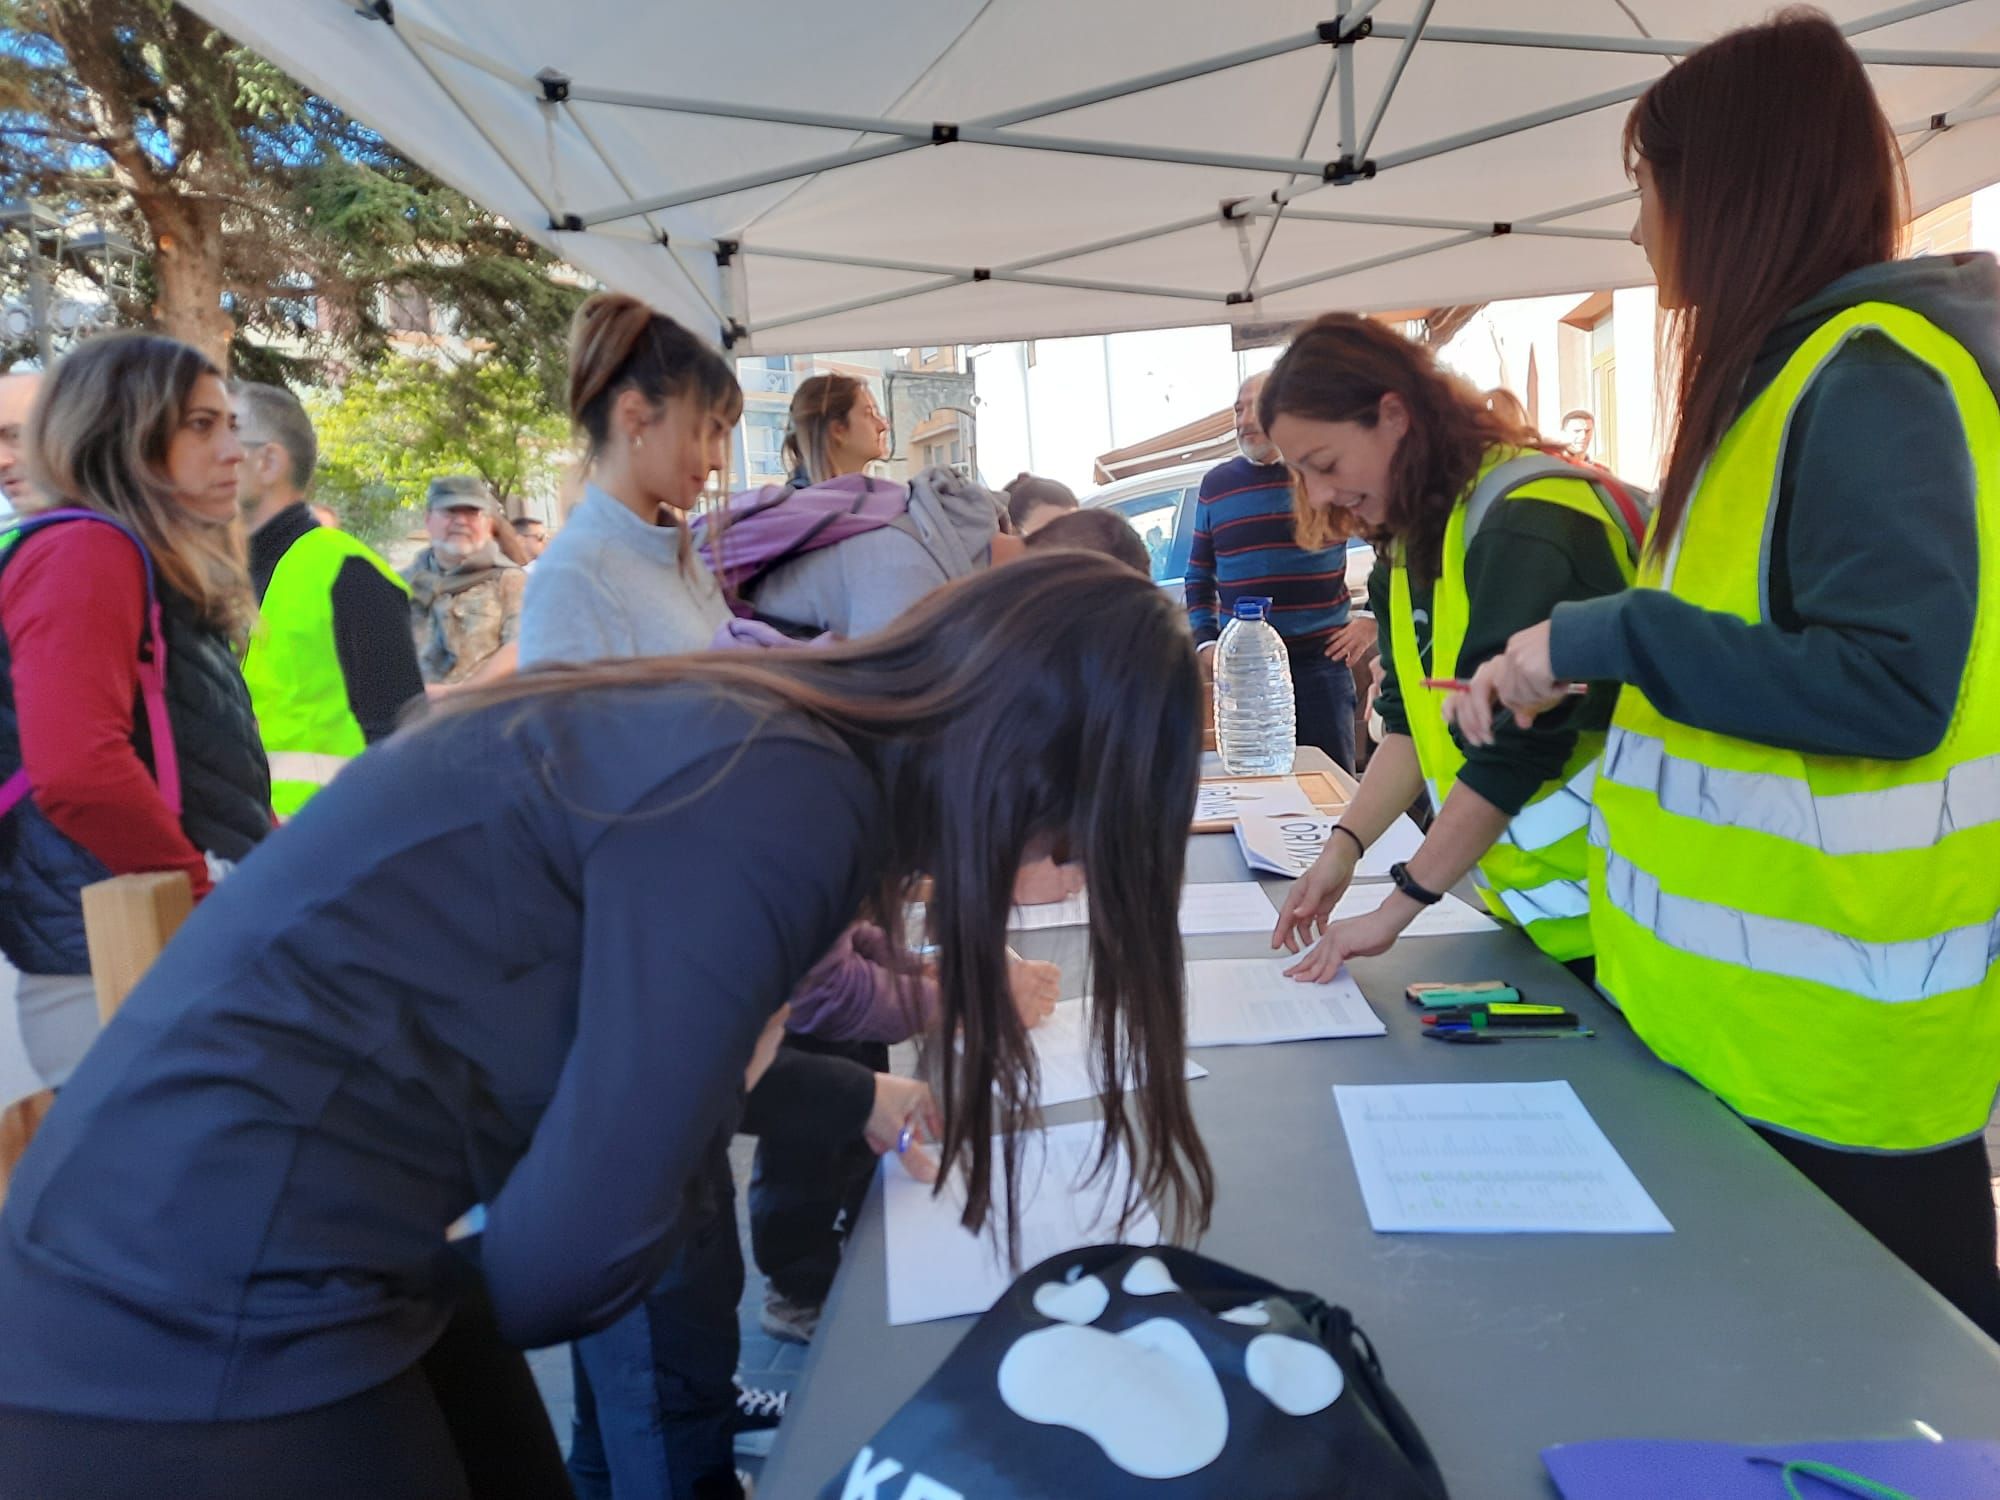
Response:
column 1534, row 875
column 293, row 668
column 1811, row 937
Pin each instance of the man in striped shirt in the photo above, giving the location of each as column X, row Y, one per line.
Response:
column 1244, row 547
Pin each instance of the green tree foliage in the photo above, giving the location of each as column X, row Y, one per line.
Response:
column 394, row 427
column 274, row 228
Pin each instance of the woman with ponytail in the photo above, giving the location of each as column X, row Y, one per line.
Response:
column 654, row 406
column 1797, row 819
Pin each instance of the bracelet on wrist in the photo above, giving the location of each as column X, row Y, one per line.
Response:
column 1359, row 847
column 1411, row 887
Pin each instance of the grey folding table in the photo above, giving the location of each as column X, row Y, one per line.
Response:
column 1766, row 1316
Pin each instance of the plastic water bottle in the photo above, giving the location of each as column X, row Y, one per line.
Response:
column 1256, row 721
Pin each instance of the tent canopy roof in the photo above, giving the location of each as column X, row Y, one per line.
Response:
column 788, row 175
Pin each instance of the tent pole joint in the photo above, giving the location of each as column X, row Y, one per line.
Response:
column 725, row 251
column 376, row 10
column 1338, row 34
column 555, row 86
column 1500, row 229
column 1347, row 170
column 566, row 223
column 1238, row 299
column 733, row 333
column 943, row 134
column 1939, row 122
column 982, row 273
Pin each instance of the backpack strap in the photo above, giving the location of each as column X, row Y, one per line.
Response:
column 152, row 662
column 1622, row 507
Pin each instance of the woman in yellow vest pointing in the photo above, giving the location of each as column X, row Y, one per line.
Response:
column 1795, row 863
column 1479, row 534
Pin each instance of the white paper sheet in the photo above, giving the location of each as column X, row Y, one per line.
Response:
column 1217, row 800
column 1072, row 911
column 1489, row 1158
column 1221, row 906
column 1449, row 916
column 1246, row 1001
column 1402, row 839
column 1226, row 906
column 938, row 1270
column 1289, row 845
column 1062, row 1049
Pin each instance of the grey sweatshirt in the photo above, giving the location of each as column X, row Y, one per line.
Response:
column 1873, row 562
column 863, row 583
column 610, row 585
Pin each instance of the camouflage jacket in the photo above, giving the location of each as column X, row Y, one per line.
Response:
column 463, row 615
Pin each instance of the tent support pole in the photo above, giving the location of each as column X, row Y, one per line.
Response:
column 1115, row 242
column 1403, row 52
column 402, row 34
column 665, row 240
column 1479, row 36
column 1355, row 268
column 1342, row 12
column 1333, row 70
column 857, row 304
column 1041, row 108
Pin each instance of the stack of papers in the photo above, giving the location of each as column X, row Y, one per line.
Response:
column 1235, row 1002
column 937, row 1269
column 1225, row 906
column 1062, row 1050
column 1289, row 845
column 1489, row 1158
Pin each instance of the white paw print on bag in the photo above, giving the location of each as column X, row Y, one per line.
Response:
column 1148, row 1396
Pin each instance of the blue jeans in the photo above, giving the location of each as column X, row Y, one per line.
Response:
column 1323, row 691
column 655, row 1402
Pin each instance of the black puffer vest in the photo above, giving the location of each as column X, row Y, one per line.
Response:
column 225, row 790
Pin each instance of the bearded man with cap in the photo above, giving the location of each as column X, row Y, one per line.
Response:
column 465, row 596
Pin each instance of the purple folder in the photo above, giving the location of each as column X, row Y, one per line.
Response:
column 1640, row 1469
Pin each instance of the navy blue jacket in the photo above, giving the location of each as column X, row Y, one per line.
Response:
column 518, row 957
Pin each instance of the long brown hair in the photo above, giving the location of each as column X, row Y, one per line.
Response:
column 98, row 438
column 1777, row 174
column 1055, row 699
column 1338, row 369
column 817, row 405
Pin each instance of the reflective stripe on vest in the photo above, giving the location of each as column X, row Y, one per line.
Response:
column 1914, row 816
column 1559, row 812
column 293, row 668
column 1533, row 875
column 1813, row 938
column 306, row 768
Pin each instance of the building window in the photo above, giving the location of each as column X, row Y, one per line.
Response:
column 764, row 441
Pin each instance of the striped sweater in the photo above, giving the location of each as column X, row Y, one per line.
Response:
column 1244, row 548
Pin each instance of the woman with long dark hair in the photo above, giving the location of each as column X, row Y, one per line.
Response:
column 521, row 954
column 1793, row 891
column 127, row 741
column 1477, row 532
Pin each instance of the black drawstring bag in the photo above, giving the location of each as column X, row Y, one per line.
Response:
column 1114, row 1371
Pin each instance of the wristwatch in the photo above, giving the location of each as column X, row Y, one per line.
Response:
column 1407, row 884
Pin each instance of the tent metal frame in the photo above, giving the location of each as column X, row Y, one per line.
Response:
column 884, row 136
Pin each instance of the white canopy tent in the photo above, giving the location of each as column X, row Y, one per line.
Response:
column 794, row 175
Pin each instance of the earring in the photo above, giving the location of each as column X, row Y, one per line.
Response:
column 638, row 440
